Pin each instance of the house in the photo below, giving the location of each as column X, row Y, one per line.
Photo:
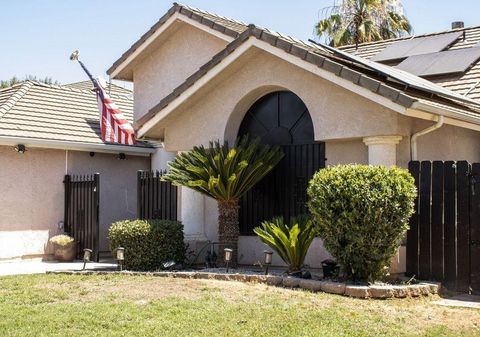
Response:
column 46, row 132
column 200, row 77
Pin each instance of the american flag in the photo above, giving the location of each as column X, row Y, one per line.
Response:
column 114, row 126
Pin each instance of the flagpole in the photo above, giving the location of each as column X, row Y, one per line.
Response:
column 75, row 57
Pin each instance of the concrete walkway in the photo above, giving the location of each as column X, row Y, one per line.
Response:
column 23, row 267
column 464, row 301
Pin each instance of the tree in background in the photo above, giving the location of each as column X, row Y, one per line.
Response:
column 356, row 21
column 15, row 80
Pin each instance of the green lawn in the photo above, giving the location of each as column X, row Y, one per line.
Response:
column 109, row 305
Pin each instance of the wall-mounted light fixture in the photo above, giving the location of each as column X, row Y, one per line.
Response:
column 92, row 154
column 122, row 156
column 20, row 148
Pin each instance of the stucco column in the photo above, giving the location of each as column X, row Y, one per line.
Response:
column 160, row 159
column 382, row 150
column 192, row 214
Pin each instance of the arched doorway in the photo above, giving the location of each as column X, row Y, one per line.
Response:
column 281, row 118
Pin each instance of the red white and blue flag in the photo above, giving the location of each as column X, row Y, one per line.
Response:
column 114, row 126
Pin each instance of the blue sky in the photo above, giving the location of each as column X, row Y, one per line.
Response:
column 39, row 35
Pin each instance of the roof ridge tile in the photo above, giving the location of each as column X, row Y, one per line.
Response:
column 15, row 97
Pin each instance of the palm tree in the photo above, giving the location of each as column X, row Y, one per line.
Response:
column 225, row 173
column 358, row 21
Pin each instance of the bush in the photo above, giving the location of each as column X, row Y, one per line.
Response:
column 291, row 241
column 62, row 240
column 362, row 213
column 148, row 243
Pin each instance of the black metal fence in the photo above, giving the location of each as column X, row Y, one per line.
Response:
column 81, row 217
column 283, row 192
column 443, row 242
column 156, row 199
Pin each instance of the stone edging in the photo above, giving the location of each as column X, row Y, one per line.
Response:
column 331, row 287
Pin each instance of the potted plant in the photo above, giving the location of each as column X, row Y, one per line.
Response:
column 65, row 248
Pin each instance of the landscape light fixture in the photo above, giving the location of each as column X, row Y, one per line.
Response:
column 87, row 254
column 268, row 260
column 20, row 148
column 120, row 256
column 228, row 256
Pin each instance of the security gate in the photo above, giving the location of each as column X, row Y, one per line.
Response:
column 81, row 219
column 283, row 192
column 443, row 242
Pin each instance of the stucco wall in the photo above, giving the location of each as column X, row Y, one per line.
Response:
column 31, row 200
column 118, row 185
column 216, row 110
column 32, row 194
column 173, row 58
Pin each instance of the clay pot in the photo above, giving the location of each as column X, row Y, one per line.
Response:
column 65, row 253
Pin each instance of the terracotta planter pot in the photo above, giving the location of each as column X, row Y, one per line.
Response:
column 65, row 253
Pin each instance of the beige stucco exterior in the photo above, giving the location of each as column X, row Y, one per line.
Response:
column 180, row 51
column 32, row 195
column 343, row 119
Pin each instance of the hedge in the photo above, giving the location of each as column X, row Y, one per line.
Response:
column 148, row 243
column 362, row 214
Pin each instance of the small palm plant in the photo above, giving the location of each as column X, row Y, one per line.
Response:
column 290, row 241
column 225, row 173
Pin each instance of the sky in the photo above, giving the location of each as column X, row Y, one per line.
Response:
column 38, row 36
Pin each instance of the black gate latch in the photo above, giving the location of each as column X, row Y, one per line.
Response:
column 474, row 179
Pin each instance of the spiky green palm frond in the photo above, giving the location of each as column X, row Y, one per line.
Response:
column 223, row 172
column 290, row 241
column 358, row 21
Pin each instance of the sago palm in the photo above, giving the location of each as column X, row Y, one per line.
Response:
column 290, row 241
column 225, row 173
column 357, row 21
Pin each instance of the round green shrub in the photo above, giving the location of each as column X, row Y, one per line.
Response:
column 148, row 243
column 362, row 213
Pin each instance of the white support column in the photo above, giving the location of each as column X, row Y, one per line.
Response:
column 192, row 214
column 382, row 150
column 160, row 159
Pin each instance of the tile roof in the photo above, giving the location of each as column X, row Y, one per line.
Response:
column 225, row 25
column 467, row 84
column 111, row 88
column 56, row 113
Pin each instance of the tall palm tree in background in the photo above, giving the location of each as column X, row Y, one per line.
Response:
column 225, row 173
column 357, row 21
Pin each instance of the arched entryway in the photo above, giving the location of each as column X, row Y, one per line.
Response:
column 281, row 118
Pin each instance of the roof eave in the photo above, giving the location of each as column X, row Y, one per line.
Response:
column 76, row 146
column 470, row 120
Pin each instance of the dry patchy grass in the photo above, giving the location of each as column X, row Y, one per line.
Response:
column 140, row 305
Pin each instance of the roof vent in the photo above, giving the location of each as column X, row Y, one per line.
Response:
column 458, row 24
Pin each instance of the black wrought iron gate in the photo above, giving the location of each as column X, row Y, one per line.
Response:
column 283, row 192
column 443, row 242
column 81, row 219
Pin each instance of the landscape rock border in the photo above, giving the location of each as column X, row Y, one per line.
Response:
column 327, row 286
